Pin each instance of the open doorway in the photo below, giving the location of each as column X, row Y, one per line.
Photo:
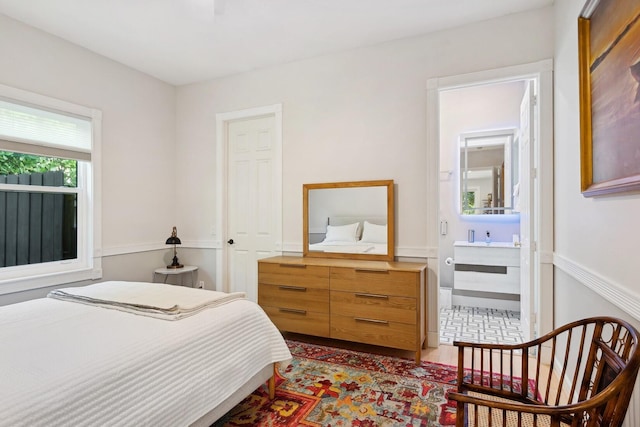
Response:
column 494, row 294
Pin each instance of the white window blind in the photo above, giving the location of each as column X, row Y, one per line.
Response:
column 43, row 132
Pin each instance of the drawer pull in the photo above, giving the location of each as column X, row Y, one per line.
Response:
column 371, row 270
column 377, row 322
column 292, row 288
column 293, row 265
column 497, row 269
column 372, row 296
column 293, row 310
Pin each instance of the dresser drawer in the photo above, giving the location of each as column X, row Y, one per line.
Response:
column 300, row 321
column 297, row 297
column 374, row 331
column 374, row 306
column 309, row 276
column 382, row 282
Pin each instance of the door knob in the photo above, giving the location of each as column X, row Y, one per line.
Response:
column 230, row 241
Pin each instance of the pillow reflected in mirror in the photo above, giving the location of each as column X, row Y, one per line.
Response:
column 374, row 233
column 342, row 233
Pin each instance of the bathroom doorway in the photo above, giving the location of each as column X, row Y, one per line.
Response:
column 485, row 103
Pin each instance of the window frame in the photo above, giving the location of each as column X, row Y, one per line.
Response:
column 88, row 262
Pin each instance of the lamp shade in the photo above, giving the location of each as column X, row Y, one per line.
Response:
column 174, row 239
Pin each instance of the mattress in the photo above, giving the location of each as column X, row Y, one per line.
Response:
column 64, row 363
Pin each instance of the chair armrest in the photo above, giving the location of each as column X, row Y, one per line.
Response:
column 536, row 408
column 505, row 405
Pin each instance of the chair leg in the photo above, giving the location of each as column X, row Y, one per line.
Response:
column 460, row 415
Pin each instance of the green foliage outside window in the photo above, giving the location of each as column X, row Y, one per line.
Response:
column 469, row 202
column 18, row 163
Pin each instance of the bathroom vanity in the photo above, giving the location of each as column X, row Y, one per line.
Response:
column 483, row 270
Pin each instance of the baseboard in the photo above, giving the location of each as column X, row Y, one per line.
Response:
column 433, row 339
column 498, row 304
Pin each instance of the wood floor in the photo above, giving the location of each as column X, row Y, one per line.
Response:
column 445, row 354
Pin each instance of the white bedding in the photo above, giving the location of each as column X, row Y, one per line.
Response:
column 64, row 363
column 350, row 247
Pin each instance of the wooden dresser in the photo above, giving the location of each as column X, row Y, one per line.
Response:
column 373, row 302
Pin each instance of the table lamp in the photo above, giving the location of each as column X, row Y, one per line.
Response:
column 174, row 240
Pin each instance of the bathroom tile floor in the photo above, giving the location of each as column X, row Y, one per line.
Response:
column 477, row 324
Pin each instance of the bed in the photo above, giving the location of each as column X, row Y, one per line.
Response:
column 354, row 234
column 74, row 363
column 349, row 247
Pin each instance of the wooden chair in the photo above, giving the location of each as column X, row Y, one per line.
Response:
column 581, row 374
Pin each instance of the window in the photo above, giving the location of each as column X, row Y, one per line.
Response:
column 49, row 167
column 469, row 202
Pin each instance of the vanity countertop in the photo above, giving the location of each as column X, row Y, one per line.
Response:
column 483, row 244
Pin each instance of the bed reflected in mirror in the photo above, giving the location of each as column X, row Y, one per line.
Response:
column 349, row 220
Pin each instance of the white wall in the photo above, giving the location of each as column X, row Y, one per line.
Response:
column 473, row 109
column 138, row 135
column 356, row 115
column 596, row 239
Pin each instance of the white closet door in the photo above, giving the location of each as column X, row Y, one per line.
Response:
column 251, row 219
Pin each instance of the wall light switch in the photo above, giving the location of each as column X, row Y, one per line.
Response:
column 443, row 227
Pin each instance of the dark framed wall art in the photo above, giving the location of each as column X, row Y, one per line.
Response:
column 609, row 62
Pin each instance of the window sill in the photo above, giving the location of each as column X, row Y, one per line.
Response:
column 45, row 280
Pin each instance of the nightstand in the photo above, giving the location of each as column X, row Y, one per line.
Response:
column 179, row 272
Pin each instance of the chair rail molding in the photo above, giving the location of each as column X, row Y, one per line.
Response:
column 614, row 293
column 158, row 246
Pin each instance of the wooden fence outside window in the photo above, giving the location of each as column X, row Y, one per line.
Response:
column 36, row 227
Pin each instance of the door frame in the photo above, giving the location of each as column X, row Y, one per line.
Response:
column 222, row 190
column 542, row 186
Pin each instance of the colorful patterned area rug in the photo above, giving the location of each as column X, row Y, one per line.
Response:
column 326, row 386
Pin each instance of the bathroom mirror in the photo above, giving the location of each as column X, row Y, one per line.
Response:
column 489, row 170
column 352, row 220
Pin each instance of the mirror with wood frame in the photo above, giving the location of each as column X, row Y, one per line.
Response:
column 353, row 220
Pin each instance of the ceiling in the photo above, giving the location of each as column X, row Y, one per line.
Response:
column 186, row 41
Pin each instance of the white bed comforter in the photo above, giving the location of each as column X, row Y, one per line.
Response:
column 350, row 247
column 69, row 364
